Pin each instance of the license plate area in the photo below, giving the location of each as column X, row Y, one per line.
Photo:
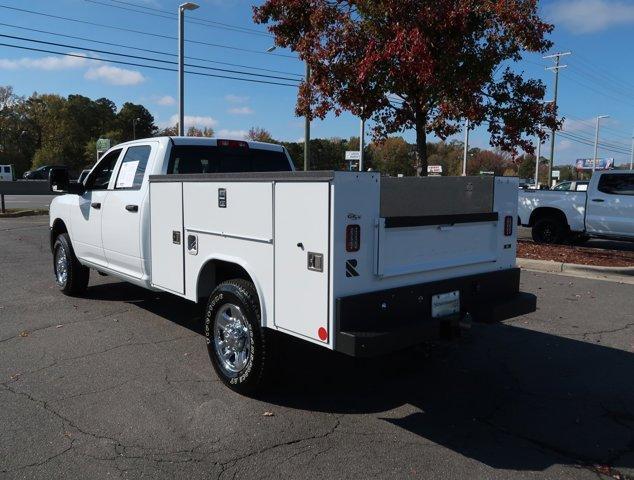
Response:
column 445, row 304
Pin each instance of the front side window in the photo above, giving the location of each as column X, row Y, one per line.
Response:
column 133, row 167
column 7, row 170
column 617, row 184
column 563, row 186
column 99, row 178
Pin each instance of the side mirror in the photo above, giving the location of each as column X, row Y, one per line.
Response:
column 59, row 182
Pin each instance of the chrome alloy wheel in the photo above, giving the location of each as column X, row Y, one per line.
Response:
column 231, row 339
column 61, row 265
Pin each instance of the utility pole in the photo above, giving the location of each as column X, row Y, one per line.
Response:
column 361, row 144
column 596, row 142
column 181, row 64
column 555, row 69
column 466, row 148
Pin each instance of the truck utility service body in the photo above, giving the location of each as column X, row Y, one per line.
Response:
column 354, row 262
column 605, row 210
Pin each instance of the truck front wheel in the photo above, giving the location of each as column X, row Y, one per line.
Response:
column 70, row 275
column 236, row 342
column 548, row 229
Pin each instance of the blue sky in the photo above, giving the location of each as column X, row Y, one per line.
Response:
column 599, row 78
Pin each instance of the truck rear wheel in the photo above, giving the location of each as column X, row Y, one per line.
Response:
column 70, row 276
column 548, row 229
column 236, row 342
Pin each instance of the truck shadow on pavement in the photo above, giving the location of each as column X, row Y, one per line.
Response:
column 509, row 397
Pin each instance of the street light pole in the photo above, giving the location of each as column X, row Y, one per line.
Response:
column 361, row 144
column 466, row 148
column 632, row 158
column 596, row 142
column 307, row 129
column 539, row 154
column 181, row 64
column 134, row 122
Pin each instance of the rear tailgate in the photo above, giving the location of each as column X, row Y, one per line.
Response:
column 430, row 224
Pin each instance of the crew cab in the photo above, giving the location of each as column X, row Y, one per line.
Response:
column 604, row 210
column 351, row 261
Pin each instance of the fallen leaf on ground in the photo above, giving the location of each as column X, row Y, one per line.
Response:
column 268, row 414
column 24, row 333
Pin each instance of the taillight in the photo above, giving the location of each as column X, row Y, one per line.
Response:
column 353, row 238
column 232, row 143
column 508, row 225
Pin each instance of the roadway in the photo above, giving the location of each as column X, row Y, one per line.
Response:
column 119, row 384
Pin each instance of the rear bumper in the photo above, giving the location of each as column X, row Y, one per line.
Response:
column 380, row 322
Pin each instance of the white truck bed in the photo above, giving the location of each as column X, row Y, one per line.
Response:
column 288, row 232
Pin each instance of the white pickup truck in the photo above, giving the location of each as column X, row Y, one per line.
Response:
column 605, row 210
column 354, row 262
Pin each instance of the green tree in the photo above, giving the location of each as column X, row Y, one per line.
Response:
column 142, row 118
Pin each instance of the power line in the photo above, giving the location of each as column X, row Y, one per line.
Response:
column 146, row 10
column 138, row 57
column 147, row 50
column 590, row 143
column 139, row 32
column 153, row 67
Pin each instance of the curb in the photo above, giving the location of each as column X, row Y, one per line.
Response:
column 23, row 213
column 615, row 274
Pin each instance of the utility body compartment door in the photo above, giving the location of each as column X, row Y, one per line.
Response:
column 302, row 232
column 166, row 220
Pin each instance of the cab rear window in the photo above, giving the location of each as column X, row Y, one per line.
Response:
column 210, row 159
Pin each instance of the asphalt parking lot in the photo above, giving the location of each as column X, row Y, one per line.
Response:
column 119, row 385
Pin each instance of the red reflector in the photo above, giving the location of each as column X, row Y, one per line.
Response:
column 232, row 143
column 508, row 226
column 323, row 334
column 353, row 238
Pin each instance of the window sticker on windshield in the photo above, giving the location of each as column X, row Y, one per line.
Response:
column 126, row 174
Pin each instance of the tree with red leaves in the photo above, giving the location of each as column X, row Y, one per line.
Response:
column 418, row 64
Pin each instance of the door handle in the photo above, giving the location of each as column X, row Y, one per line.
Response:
column 132, row 208
column 598, row 200
column 96, row 205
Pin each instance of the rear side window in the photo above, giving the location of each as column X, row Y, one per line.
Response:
column 7, row 170
column 209, row 159
column 132, row 170
column 617, row 184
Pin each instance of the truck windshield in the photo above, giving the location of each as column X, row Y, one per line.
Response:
column 210, row 159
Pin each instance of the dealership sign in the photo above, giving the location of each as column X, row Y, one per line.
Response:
column 602, row 164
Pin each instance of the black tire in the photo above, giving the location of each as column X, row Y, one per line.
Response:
column 239, row 293
column 548, row 230
column 76, row 279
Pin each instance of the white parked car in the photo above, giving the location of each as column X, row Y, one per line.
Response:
column 604, row 210
column 349, row 261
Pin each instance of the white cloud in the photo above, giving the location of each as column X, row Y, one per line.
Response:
column 114, row 75
column 589, row 16
column 571, row 125
column 232, row 134
column 166, row 100
column 564, row 145
column 241, row 110
column 46, row 63
column 231, row 98
column 195, row 121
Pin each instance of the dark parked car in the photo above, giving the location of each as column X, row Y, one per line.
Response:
column 40, row 173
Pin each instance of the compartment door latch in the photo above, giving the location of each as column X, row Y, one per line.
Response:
column 316, row 261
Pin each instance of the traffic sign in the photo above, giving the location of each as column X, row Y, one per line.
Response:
column 353, row 155
column 103, row 144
